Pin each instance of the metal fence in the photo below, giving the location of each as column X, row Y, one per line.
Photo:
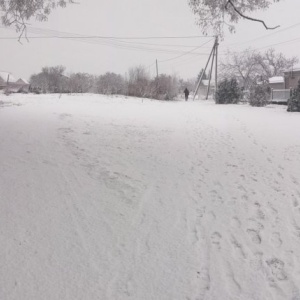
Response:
column 280, row 95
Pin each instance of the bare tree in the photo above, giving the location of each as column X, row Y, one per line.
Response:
column 274, row 64
column 138, row 82
column 81, row 83
column 165, row 87
column 50, row 80
column 242, row 66
column 215, row 14
column 110, row 83
column 39, row 83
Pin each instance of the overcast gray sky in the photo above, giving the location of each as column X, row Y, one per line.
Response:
column 139, row 18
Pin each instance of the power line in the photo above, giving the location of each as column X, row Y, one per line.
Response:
column 189, row 52
column 265, row 36
column 105, row 37
column 272, row 45
column 126, row 43
column 118, row 44
column 77, row 36
column 108, row 41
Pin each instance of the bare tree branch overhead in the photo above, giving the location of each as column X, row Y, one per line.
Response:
column 18, row 12
column 249, row 18
column 215, row 15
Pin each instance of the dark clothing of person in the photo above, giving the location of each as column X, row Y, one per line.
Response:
column 186, row 94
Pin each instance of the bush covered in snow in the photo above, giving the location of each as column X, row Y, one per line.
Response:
column 294, row 101
column 228, row 92
column 259, row 95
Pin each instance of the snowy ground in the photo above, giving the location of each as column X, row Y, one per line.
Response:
column 113, row 198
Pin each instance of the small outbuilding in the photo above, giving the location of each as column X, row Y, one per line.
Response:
column 277, row 83
column 203, row 88
column 292, row 78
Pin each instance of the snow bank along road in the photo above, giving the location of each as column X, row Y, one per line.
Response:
column 113, row 198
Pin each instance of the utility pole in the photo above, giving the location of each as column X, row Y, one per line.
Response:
column 7, row 84
column 157, row 83
column 216, row 75
column 200, row 79
column 214, row 53
column 210, row 74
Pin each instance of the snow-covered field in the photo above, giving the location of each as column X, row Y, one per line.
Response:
column 114, row 198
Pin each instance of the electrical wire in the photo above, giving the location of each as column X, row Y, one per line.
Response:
column 265, row 36
column 189, row 52
column 108, row 41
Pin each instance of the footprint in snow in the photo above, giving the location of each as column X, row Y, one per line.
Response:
column 255, row 225
column 203, row 278
column 235, row 221
column 238, row 247
column 216, row 239
column 260, row 214
column 254, row 236
column 294, row 180
column 276, row 239
column 277, row 268
column 209, row 218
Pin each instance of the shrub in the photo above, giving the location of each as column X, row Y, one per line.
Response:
column 259, row 95
column 294, row 101
column 164, row 87
column 228, row 92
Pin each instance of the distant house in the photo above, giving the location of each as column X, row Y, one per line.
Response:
column 292, row 78
column 203, row 88
column 5, row 79
column 277, row 83
column 8, row 83
column 23, row 85
column 281, row 86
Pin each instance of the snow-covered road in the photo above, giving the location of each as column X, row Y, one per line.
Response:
column 114, row 198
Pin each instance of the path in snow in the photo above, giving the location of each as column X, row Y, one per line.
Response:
column 107, row 198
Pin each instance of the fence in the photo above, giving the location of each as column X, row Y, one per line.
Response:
column 280, row 95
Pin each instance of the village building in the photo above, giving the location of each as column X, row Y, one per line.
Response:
column 203, row 88
column 277, row 83
column 9, row 84
column 5, row 79
column 291, row 78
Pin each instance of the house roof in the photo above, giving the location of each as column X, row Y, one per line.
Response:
column 276, row 79
column 22, row 81
column 4, row 76
column 295, row 69
column 205, row 82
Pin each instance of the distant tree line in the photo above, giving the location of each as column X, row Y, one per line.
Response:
column 136, row 82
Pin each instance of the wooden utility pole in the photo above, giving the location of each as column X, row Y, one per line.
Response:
column 200, row 79
column 210, row 74
column 216, row 74
column 214, row 53
column 7, row 84
column 157, row 80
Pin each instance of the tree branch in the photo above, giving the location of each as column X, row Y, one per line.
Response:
column 248, row 18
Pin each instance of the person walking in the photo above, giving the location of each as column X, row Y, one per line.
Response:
column 186, row 94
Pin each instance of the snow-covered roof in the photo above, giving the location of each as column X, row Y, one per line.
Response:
column 294, row 69
column 205, row 82
column 22, row 81
column 276, row 79
column 4, row 76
